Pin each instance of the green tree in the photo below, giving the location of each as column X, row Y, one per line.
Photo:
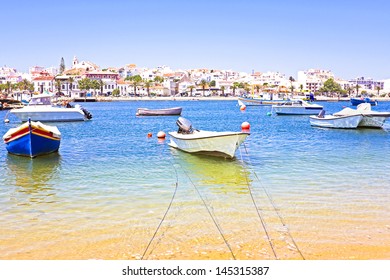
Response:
column 330, row 86
column 101, row 84
column 95, row 85
column 234, row 87
column 223, row 90
column 148, row 84
column 378, row 88
column 70, row 83
column 159, row 79
column 115, row 92
column 136, row 80
column 85, row 84
column 291, row 79
column 203, row 84
column 58, row 85
column 191, row 87
column 62, row 65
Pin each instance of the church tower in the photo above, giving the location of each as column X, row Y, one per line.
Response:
column 75, row 62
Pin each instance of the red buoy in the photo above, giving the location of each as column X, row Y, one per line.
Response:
column 242, row 107
column 245, row 125
column 150, row 134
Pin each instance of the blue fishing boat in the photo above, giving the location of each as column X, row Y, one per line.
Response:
column 357, row 101
column 32, row 139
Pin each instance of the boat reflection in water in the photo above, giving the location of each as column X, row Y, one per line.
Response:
column 219, row 175
column 33, row 179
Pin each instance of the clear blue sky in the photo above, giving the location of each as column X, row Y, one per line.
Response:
column 350, row 38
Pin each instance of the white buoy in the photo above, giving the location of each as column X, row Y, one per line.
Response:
column 6, row 120
column 161, row 135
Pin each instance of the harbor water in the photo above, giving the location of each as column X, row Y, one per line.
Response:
column 291, row 192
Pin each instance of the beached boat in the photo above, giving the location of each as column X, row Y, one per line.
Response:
column 332, row 121
column 372, row 119
column 297, row 107
column 40, row 108
column 32, row 139
column 159, row 112
column 212, row 143
column 357, row 101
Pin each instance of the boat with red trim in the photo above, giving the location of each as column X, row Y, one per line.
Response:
column 32, row 139
column 214, row 143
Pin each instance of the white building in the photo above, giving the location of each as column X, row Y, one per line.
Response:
column 313, row 79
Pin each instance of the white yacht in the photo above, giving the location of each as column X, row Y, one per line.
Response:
column 297, row 107
column 40, row 108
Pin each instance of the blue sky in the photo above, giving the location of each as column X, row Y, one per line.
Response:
column 350, row 38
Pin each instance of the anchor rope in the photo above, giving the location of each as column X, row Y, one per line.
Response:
column 165, row 214
column 211, row 215
column 259, row 214
column 272, row 203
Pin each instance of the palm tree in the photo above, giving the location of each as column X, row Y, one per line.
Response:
column 357, row 89
column 378, row 88
column 191, row 87
column 136, row 80
column 147, row 84
column 235, row 86
column 223, row 90
column 70, row 85
column 58, row 86
column 203, row 84
column 8, row 87
column 101, row 84
column 291, row 79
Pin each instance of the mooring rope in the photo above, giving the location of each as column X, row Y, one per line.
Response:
column 272, row 203
column 211, row 215
column 259, row 214
column 165, row 214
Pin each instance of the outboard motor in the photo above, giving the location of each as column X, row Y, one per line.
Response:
column 87, row 114
column 321, row 114
column 185, row 126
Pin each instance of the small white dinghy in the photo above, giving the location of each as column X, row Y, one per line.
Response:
column 332, row 121
column 212, row 143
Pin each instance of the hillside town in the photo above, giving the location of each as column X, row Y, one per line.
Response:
column 85, row 79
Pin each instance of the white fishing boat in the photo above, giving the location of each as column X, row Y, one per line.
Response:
column 297, row 107
column 371, row 119
column 40, row 108
column 213, row 143
column 332, row 121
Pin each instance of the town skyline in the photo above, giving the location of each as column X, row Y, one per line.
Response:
column 347, row 38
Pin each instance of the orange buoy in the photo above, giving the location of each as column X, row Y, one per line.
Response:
column 242, row 107
column 245, row 125
column 150, row 134
column 161, row 135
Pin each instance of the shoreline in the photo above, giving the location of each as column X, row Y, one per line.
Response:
column 214, row 98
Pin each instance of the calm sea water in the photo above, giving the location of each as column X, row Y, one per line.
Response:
column 292, row 190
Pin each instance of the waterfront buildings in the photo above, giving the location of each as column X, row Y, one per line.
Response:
column 177, row 82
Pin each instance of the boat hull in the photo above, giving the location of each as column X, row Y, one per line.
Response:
column 222, row 144
column 336, row 121
column 32, row 141
column 357, row 101
column 49, row 114
column 159, row 112
column 290, row 110
column 260, row 102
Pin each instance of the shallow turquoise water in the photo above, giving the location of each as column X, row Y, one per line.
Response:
column 328, row 185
